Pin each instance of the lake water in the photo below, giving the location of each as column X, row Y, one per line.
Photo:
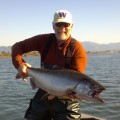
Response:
column 16, row 94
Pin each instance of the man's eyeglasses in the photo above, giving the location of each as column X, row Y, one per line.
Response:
column 62, row 24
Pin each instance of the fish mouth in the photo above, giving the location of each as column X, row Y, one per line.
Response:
column 96, row 95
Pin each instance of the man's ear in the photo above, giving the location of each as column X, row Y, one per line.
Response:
column 72, row 26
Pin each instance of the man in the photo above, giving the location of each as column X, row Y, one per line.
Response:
column 53, row 49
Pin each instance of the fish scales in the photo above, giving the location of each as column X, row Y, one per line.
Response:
column 63, row 82
column 57, row 82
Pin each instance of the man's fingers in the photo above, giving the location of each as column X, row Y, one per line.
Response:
column 22, row 70
column 27, row 65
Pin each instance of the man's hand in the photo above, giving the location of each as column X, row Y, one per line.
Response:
column 22, row 70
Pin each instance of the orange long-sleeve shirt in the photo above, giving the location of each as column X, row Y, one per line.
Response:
column 56, row 54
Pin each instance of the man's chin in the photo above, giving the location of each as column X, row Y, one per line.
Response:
column 62, row 37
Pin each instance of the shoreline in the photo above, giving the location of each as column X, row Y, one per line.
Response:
column 37, row 54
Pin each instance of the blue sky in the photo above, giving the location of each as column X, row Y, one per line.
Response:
column 94, row 20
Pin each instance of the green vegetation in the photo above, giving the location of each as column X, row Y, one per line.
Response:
column 4, row 54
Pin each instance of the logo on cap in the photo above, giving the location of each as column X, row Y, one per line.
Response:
column 62, row 14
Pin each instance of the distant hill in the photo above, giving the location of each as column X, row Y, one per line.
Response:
column 5, row 49
column 89, row 46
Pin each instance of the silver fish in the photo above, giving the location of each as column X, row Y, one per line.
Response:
column 64, row 82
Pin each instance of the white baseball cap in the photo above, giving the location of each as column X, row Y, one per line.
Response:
column 62, row 16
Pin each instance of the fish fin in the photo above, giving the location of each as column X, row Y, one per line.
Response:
column 33, row 85
column 17, row 76
column 48, row 96
column 44, row 97
column 57, row 68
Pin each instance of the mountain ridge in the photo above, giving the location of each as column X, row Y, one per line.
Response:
column 93, row 47
column 89, row 46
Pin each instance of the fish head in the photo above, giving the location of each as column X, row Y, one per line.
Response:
column 89, row 90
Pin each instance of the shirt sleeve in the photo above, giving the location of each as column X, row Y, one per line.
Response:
column 79, row 57
column 36, row 43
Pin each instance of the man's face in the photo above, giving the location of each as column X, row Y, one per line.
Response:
column 62, row 30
